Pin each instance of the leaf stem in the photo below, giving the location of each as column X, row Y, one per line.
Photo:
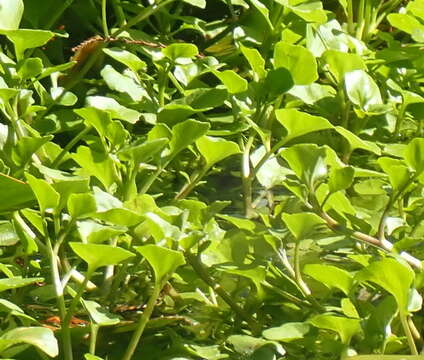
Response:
column 58, row 13
column 119, row 13
column 144, row 14
column 69, row 146
column 104, row 19
column 199, row 268
column 144, row 318
column 408, row 334
column 247, row 177
column 189, row 186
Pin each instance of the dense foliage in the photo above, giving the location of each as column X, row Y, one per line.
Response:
column 220, row 179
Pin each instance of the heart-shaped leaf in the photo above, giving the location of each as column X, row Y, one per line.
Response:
column 331, row 276
column 215, row 149
column 163, row 261
column 345, row 327
column 392, row 276
column 98, row 255
column 302, row 225
column 40, row 337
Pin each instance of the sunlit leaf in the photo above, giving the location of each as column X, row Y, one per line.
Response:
column 163, row 261
column 98, row 255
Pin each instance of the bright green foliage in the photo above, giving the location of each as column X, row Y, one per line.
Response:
column 221, row 179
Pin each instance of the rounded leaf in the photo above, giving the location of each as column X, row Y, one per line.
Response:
column 163, row 261
column 98, row 255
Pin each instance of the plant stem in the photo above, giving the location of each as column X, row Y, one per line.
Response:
column 104, row 19
column 408, row 334
column 119, row 13
column 71, row 310
column 69, row 146
column 94, row 330
column 297, row 272
column 247, row 177
column 189, row 186
column 58, row 13
column 144, row 318
column 350, row 24
column 201, row 271
column 58, row 288
column 144, row 14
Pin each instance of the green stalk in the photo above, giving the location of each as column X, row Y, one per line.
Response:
column 119, row 13
column 360, row 20
column 94, row 330
column 247, row 177
column 58, row 13
column 58, row 288
column 71, row 310
column 350, row 24
column 144, row 14
column 298, row 275
column 189, row 186
column 69, row 146
column 408, row 334
column 104, row 19
column 203, row 273
column 144, row 318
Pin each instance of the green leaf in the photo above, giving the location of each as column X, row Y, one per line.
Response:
column 143, row 152
column 405, row 22
column 256, row 61
column 40, row 337
column 339, row 63
column 308, row 163
column 99, row 255
column 8, row 235
column 302, row 225
column 246, row 345
column 96, row 164
column 397, row 170
column 81, row 205
column 414, row 155
column 177, row 51
column 127, row 58
column 14, row 193
column 47, row 196
column 232, row 81
column 26, row 147
column 199, row 3
column 115, row 109
column 29, row 68
column 24, row 39
column 386, row 357
column 123, row 83
column 11, row 12
column 92, row 357
column 298, row 123
column 331, row 276
column 163, row 261
column 340, row 178
column 298, row 60
column 277, row 82
column 287, row 332
column 392, row 276
column 357, row 143
column 271, row 173
column 186, row 133
column 362, row 89
column 345, row 327
column 17, row 282
column 98, row 314
column 96, row 118
column 215, row 149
